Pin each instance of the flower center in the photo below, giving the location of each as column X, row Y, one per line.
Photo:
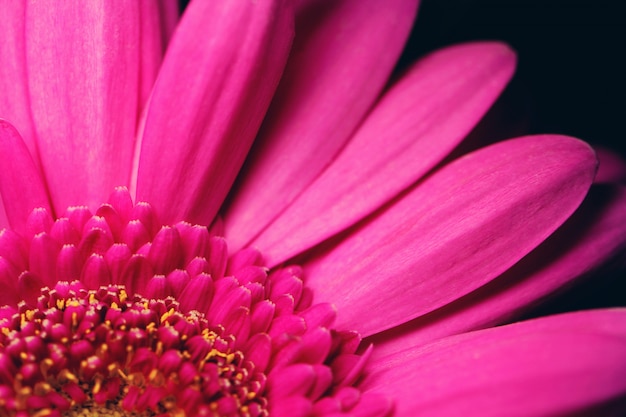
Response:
column 103, row 352
column 112, row 314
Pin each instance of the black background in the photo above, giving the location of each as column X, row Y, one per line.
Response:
column 571, row 69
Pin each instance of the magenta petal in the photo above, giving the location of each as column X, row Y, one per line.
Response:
column 415, row 125
column 84, row 95
column 169, row 14
column 612, row 168
column 21, row 186
column 560, row 365
column 208, row 103
column 4, row 220
column 43, row 258
column 295, row 406
column 590, row 238
column 154, row 33
column 198, row 293
column 343, row 53
column 456, row 231
column 293, row 379
column 14, row 100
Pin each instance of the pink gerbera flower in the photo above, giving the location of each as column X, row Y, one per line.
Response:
column 344, row 220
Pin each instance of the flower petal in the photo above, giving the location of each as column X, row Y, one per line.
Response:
column 208, row 103
column 84, row 94
column 454, row 232
column 21, row 186
column 612, row 167
column 153, row 40
column 169, row 14
column 343, row 54
column 14, row 100
column 591, row 237
column 551, row 366
column 4, row 220
column 416, row 124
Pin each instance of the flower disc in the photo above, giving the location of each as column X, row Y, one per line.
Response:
column 113, row 314
column 103, row 350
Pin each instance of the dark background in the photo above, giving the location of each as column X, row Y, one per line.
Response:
column 571, row 69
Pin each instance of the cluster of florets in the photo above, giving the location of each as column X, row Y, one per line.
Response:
column 80, row 349
column 264, row 345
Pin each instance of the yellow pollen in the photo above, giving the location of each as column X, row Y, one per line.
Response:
column 42, row 388
column 153, row 374
column 66, row 375
column 102, row 350
column 43, row 413
column 167, row 314
column 97, row 386
column 99, row 411
column 45, row 365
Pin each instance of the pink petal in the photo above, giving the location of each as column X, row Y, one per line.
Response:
column 84, row 94
column 43, row 258
column 169, row 14
column 95, row 272
column 213, row 90
column 591, row 237
column 551, row 366
column 291, row 407
column 416, row 124
column 14, row 100
column 198, row 293
column 612, row 167
column 454, row 232
column 4, row 220
column 154, row 32
column 343, row 54
column 9, row 294
column 21, row 186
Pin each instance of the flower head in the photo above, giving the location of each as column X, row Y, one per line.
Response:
column 157, row 320
column 352, row 191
